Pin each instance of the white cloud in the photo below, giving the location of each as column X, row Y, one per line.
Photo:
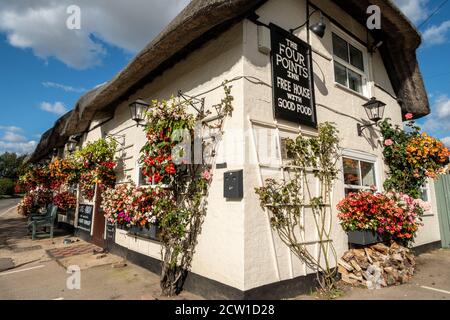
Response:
column 415, row 10
column 436, row 34
column 446, row 141
column 13, row 141
column 56, row 108
column 438, row 122
column 13, row 137
column 443, row 107
column 55, row 85
column 11, row 129
column 20, row 148
column 40, row 25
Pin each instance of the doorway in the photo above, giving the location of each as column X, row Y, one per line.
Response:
column 99, row 221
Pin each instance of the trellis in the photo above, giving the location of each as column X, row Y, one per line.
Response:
column 285, row 170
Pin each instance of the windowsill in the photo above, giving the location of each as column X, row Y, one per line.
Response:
column 348, row 90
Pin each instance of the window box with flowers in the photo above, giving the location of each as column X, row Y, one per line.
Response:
column 373, row 217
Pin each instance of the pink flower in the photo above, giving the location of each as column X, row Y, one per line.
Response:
column 207, row 175
column 388, row 142
column 409, row 116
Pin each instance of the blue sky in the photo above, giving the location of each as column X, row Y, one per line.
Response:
column 46, row 67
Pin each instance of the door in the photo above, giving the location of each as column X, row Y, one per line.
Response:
column 99, row 221
column 443, row 203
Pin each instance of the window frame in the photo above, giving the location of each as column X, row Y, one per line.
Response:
column 365, row 78
column 364, row 157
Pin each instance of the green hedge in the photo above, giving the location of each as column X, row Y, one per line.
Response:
column 6, row 186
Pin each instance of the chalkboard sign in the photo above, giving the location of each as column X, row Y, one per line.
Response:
column 292, row 73
column 110, row 231
column 85, row 217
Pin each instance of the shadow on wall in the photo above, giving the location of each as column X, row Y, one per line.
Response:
column 320, row 82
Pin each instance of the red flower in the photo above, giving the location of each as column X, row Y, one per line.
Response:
column 409, row 116
column 170, row 169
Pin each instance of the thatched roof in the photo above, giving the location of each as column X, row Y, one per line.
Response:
column 200, row 21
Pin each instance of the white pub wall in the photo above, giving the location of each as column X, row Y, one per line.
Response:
column 237, row 246
column 267, row 259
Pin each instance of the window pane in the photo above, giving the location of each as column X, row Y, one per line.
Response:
column 368, row 174
column 424, row 194
column 355, row 81
column 340, row 74
column 351, row 172
column 142, row 178
column 356, row 58
column 340, row 48
column 285, row 155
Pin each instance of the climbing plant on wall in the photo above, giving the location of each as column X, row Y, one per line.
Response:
column 286, row 201
column 179, row 208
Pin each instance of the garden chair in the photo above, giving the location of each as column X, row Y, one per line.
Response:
column 48, row 221
column 37, row 215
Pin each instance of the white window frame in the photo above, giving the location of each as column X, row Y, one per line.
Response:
column 137, row 177
column 365, row 157
column 426, row 188
column 138, row 180
column 366, row 88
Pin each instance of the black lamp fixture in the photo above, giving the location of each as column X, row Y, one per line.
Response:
column 317, row 28
column 138, row 109
column 72, row 144
column 375, row 111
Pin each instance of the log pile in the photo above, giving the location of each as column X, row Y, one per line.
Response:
column 377, row 266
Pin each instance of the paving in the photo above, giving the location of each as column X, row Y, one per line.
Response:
column 43, row 269
column 73, row 250
column 47, row 269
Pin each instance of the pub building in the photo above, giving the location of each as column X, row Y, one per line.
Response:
column 292, row 64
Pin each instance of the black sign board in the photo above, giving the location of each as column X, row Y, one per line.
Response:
column 292, row 72
column 85, row 217
column 110, row 231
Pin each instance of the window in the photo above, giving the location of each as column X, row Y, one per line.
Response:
column 349, row 67
column 358, row 175
column 424, row 193
column 141, row 179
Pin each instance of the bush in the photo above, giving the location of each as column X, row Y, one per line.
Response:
column 6, row 186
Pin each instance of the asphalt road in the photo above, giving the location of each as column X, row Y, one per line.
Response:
column 6, row 204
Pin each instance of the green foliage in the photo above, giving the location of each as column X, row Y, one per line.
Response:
column 6, row 187
column 102, row 150
column 10, row 165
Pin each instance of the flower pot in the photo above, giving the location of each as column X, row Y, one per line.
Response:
column 364, row 237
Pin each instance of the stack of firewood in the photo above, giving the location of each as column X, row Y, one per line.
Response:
column 377, row 266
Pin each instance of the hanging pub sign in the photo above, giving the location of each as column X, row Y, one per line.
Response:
column 292, row 76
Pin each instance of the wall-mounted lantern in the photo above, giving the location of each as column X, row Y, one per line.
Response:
column 317, row 28
column 72, row 144
column 375, row 111
column 138, row 109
